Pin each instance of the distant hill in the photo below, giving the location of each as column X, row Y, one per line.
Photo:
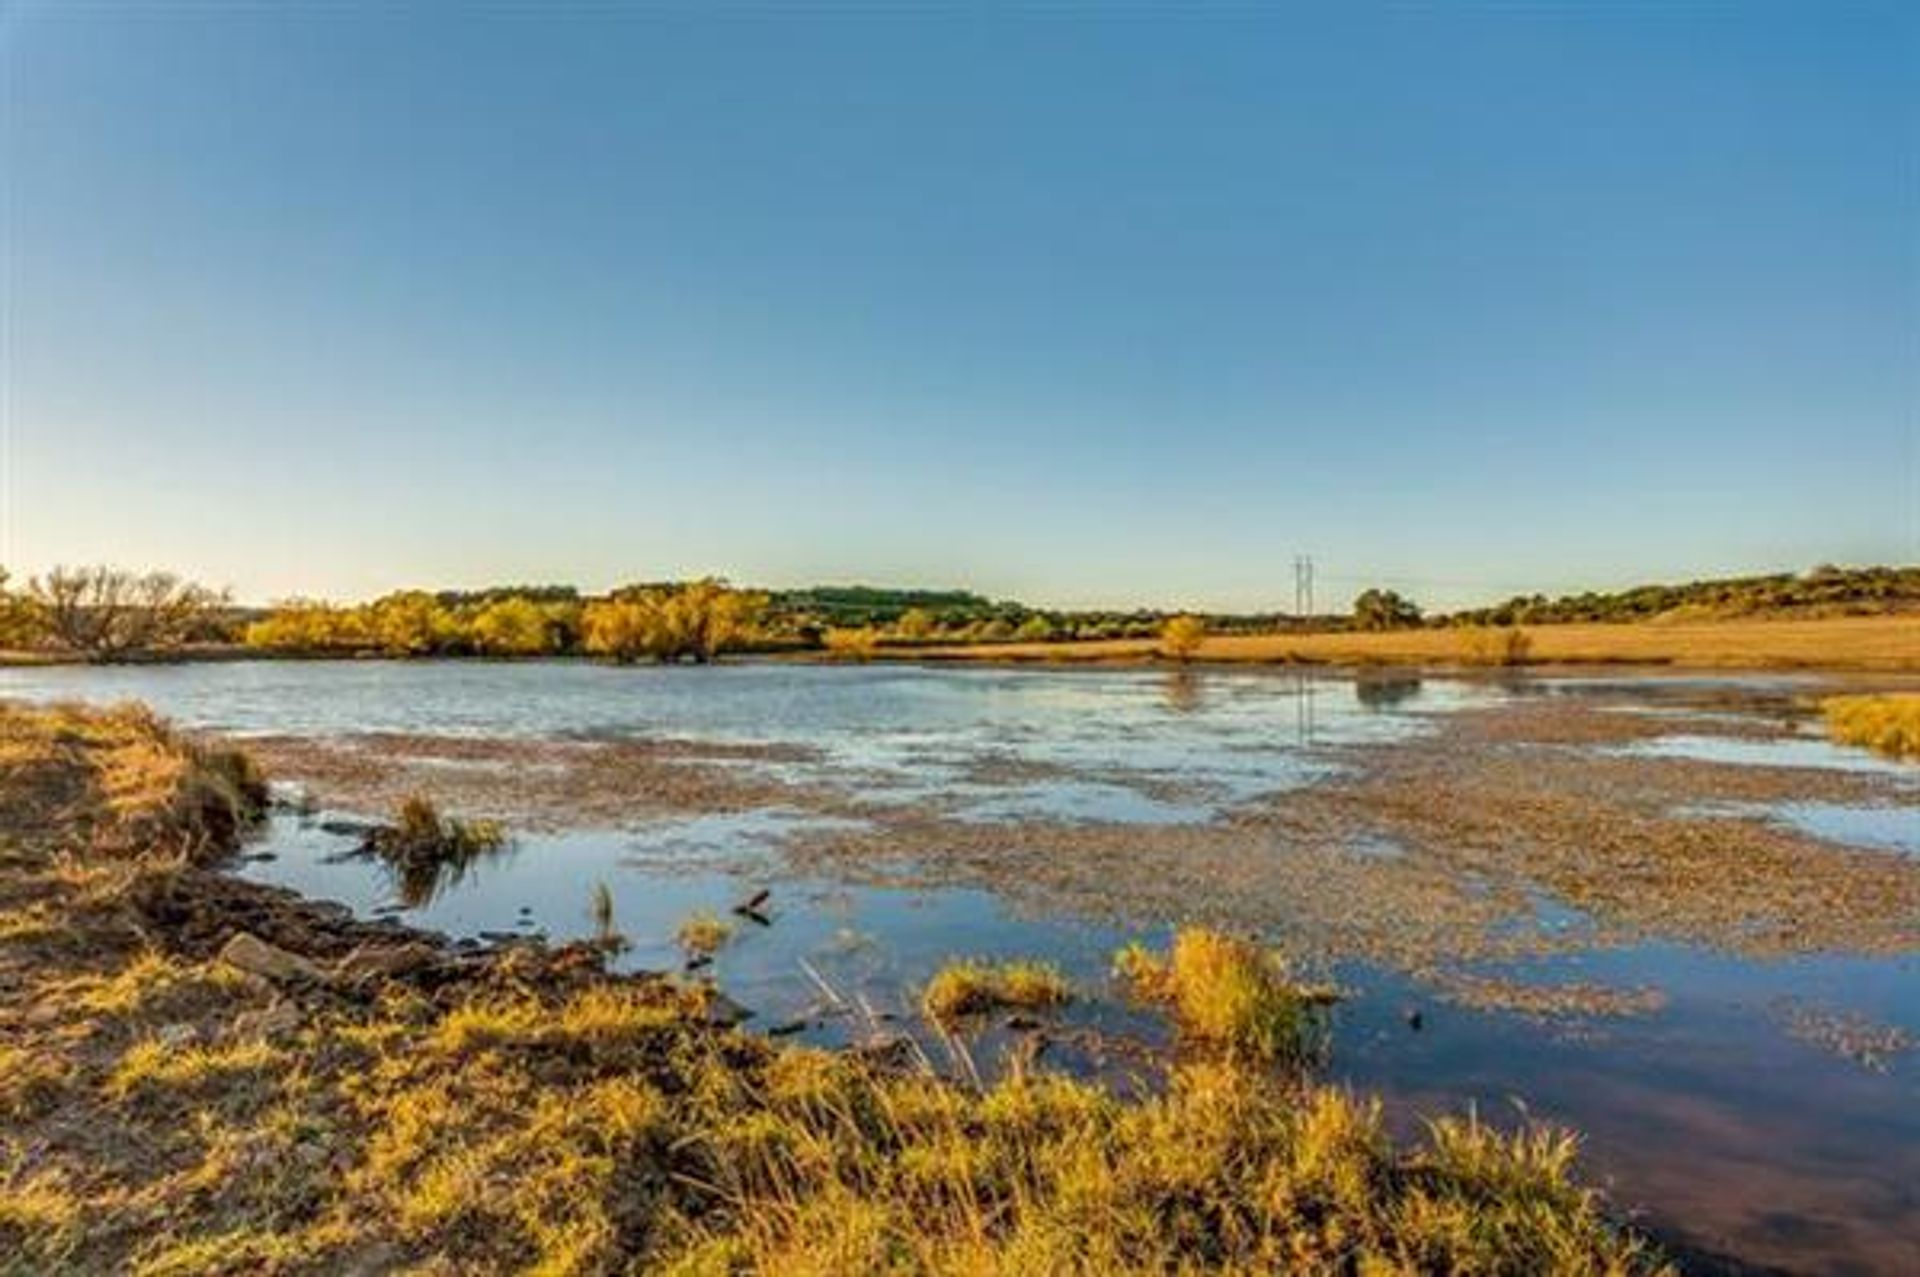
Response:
column 1825, row 591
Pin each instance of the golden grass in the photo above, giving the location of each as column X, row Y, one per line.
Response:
column 1889, row 723
column 1229, row 993
column 974, row 987
column 704, row 934
column 1848, row 642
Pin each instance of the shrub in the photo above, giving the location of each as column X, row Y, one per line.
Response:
column 852, row 644
column 1888, row 723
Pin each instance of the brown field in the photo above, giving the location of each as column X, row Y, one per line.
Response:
column 1848, row 642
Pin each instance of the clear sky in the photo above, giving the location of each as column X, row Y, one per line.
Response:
column 1078, row 307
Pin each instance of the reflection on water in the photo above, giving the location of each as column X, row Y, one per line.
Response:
column 1182, row 690
column 1384, row 691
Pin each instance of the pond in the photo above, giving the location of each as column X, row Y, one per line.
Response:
column 1745, row 1084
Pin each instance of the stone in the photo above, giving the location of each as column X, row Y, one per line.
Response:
column 378, row 962
column 249, row 953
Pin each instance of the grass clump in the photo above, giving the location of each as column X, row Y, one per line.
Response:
column 1889, row 724
column 975, row 987
column 703, row 934
column 427, row 851
column 1230, row 993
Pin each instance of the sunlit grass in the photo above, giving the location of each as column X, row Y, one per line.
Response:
column 704, row 934
column 971, row 987
column 1229, row 993
column 1889, row 724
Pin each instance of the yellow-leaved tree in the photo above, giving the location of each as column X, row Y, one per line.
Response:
column 1181, row 637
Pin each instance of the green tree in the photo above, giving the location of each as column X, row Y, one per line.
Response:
column 1378, row 609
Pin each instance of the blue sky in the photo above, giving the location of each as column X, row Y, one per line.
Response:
column 1080, row 308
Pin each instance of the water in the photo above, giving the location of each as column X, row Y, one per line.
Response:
column 1723, row 1115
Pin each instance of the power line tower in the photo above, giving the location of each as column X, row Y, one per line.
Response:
column 1303, row 586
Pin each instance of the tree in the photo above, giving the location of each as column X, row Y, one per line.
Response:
column 1035, row 629
column 1181, row 637
column 107, row 612
column 410, row 623
column 512, row 626
column 1378, row 609
column 914, row 625
column 697, row 621
column 13, row 614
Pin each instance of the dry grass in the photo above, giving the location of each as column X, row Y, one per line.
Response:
column 974, row 987
column 704, row 934
column 1231, row 994
column 1889, row 723
column 1850, row 642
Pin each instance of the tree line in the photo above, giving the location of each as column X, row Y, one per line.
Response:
column 107, row 613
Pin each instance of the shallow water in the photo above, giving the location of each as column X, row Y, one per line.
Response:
column 1725, row 1114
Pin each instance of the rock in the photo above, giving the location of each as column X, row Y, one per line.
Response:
column 248, row 953
column 380, row 962
column 270, row 1022
column 1415, row 1020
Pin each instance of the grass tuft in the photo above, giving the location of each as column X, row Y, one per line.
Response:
column 1230, row 993
column 1889, row 724
column 974, row 987
column 704, row 934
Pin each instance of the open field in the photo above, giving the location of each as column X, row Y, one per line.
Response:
column 1836, row 643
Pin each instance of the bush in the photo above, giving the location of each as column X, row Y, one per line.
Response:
column 1889, row 723
column 852, row 644
column 1182, row 636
